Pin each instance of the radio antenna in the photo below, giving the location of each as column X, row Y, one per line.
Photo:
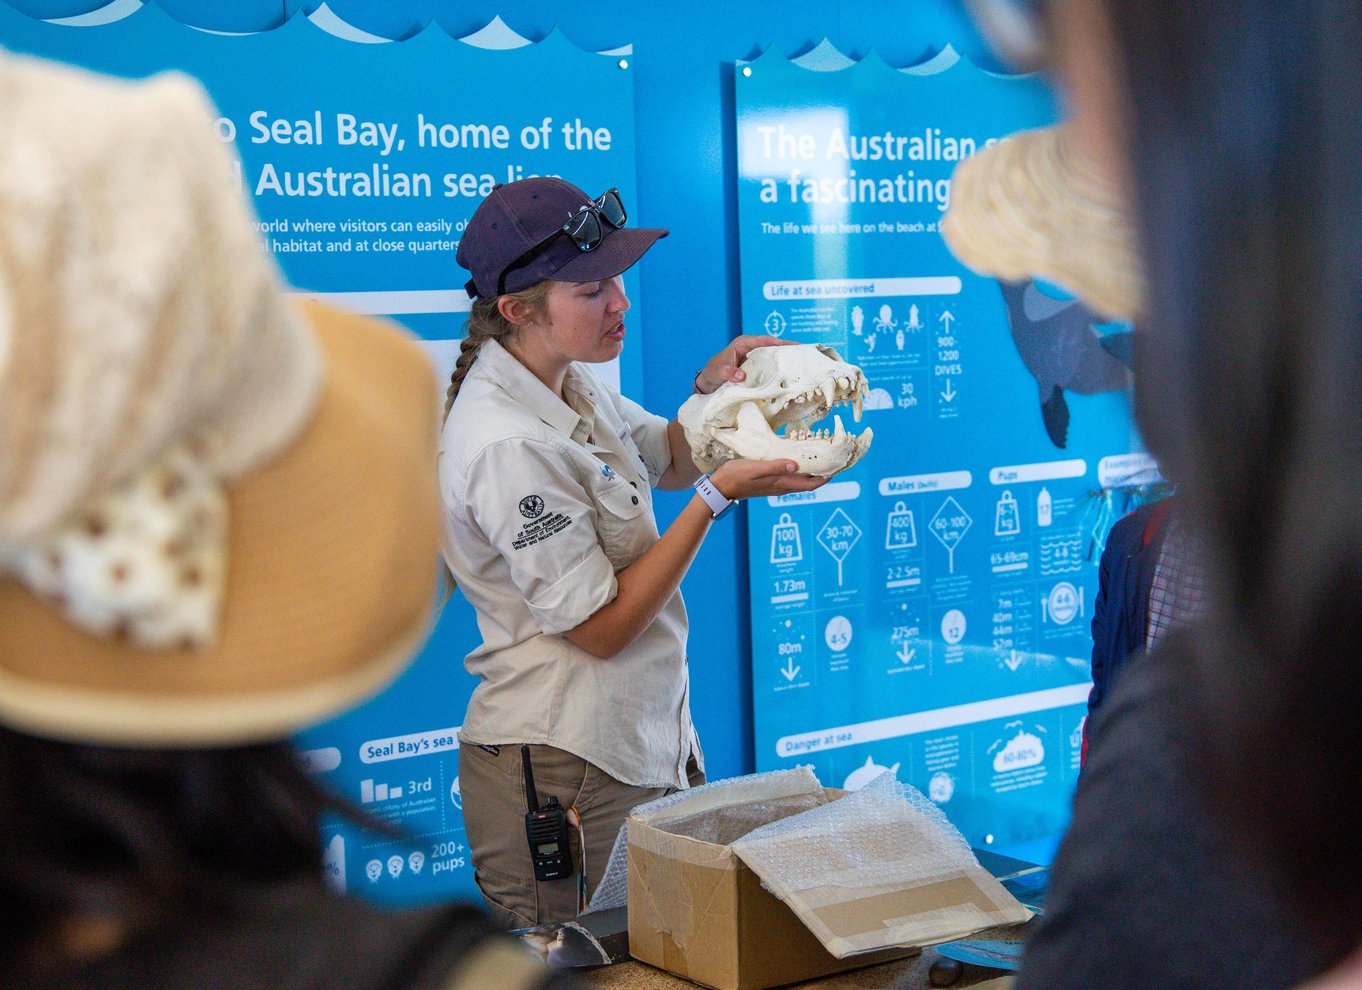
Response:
column 531, row 796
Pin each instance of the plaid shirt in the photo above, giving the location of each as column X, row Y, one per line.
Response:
column 1177, row 592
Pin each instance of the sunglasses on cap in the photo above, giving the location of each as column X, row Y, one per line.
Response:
column 584, row 227
column 1016, row 30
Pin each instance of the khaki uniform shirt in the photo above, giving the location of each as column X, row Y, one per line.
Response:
column 544, row 501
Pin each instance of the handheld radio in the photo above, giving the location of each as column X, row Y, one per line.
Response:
column 546, row 828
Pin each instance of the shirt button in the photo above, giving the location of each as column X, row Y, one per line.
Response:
column 634, row 499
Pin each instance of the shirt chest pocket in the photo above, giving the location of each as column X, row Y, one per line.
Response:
column 624, row 525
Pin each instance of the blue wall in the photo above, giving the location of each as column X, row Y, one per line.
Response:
column 683, row 60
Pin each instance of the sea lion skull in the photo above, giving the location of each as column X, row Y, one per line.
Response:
column 787, row 386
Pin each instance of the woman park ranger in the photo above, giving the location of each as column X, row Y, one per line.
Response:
column 546, row 475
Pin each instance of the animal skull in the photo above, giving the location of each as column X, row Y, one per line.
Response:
column 790, row 386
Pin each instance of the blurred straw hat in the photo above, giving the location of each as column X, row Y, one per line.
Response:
column 1033, row 206
column 218, row 514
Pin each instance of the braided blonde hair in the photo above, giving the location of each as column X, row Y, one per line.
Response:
column 485, row 322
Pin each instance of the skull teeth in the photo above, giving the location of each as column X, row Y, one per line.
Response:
column 838, row 432
column 841, row 390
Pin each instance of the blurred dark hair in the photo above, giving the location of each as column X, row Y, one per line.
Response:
column 140, row 836
column 1247, row 156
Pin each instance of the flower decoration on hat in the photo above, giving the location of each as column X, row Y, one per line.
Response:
column 146, row 560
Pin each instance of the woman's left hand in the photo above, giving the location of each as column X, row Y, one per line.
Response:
column 723, row 367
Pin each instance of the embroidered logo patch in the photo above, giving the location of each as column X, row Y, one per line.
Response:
column 531, row 506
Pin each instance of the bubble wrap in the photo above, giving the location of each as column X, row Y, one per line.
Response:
column 613, row 890
column 724, row 826
column 885, row 849
column 898, row 828
column 879, row 867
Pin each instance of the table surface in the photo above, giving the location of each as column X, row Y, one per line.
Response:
column 902, row 974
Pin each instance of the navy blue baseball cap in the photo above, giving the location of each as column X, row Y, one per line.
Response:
column 519, row 235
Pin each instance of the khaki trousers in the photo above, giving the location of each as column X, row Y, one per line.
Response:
column 493, row 791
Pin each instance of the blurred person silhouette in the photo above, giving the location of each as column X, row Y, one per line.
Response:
column 1149, row 583
column 1212, row 833
column 218, row 524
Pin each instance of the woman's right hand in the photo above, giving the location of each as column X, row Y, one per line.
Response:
column 758, row 479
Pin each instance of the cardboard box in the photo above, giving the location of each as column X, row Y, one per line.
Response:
column 698, row 910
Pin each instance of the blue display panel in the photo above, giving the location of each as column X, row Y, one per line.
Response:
column 365, row 161
column 929, row 610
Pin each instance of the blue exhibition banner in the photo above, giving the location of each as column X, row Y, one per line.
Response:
column 365, row 160
column 927, row 611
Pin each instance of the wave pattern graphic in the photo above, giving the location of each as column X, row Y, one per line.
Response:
column 1062, row 555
